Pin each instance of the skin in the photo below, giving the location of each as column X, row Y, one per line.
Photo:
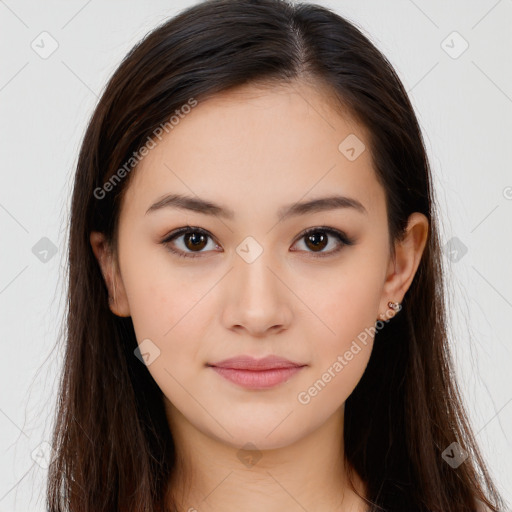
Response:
column 254, row 150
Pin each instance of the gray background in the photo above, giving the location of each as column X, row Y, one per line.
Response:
column 464, row 105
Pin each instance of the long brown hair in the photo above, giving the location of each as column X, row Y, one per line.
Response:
column 113, row 450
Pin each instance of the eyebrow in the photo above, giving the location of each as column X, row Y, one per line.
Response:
column 205, row 207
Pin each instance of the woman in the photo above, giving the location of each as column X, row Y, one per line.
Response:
column 256, row 315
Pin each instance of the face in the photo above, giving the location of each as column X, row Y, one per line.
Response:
column 246, row 279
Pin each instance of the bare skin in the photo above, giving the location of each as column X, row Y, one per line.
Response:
column 255, row 150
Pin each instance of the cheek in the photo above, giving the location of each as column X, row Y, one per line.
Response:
column 168, row 309
column 339, row 358
column 346, row 310
column 346, row 305
column 160, row 294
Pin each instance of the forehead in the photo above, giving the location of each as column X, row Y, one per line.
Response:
column 256, row 145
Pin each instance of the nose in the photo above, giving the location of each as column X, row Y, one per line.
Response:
column 257, row 298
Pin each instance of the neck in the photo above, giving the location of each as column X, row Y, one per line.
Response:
column 308, row 474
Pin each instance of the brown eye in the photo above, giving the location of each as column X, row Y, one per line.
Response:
column 316, row 240
column 194, row 240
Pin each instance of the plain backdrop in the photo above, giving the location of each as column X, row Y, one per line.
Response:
column 454, row 60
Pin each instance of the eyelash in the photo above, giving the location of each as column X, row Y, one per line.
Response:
column 342, row 237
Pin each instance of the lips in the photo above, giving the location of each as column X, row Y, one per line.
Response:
column 256, row 374
column 252, row 364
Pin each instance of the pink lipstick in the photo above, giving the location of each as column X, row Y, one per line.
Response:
column 252, row 373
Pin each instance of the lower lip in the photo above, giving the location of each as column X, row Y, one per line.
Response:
column 252, row 379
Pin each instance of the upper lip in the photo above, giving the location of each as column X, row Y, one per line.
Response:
column 250, row 363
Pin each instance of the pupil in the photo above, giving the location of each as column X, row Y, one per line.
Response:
column 312, row 237
column 196, row 242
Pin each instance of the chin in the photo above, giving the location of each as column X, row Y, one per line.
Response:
column 264, row 436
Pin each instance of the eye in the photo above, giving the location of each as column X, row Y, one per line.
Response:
column 196, row 239
column 318, row 238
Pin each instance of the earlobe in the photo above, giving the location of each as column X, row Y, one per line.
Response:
column 117, row 300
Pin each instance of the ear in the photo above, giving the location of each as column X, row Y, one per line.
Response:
column 118, row 301
column 402, row 269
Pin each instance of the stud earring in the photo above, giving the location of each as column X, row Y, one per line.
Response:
column 395, row 306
